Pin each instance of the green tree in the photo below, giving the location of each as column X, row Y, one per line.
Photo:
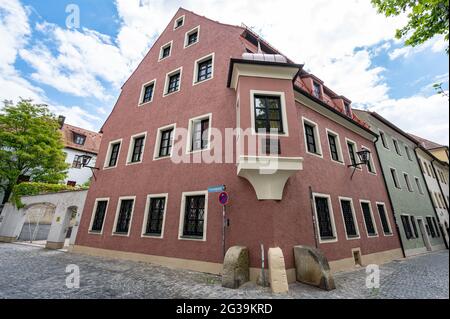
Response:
column 30, row 145
column 427, row 18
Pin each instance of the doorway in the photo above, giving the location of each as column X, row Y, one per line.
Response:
column 426, row 239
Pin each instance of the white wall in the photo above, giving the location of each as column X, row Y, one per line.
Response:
column 79, row 175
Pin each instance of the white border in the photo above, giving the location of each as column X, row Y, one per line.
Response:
column 409, row 186
column 141, row 96
column 182, row 211
column 176, row 20
column 361, row 201
column 161, row 50
column 189, row 136
column 391, row 232
column 146, row 213
column 316, row 136
column 284, row 120
column 166, row 83
column 108, row 154
column 197, row 62
column 347, row 140
column 372, row 163
column 333, row 224
column 94, row 210
column 339, row 146
column 156, row 156
column 355, row 220
column 187, row 34
column 119, row 202
column 131, row 146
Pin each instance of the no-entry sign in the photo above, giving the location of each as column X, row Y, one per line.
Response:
column 223, row 198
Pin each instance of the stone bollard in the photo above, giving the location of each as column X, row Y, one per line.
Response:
column 312, row 268
column 236, row 268
column 277, row 271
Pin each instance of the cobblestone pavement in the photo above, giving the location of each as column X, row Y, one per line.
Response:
column 32, row 272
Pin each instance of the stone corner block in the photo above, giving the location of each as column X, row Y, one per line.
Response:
column 312, row 268
column 277, row 271
column 236, row 267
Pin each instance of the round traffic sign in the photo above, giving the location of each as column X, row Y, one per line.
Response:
column 223, row 198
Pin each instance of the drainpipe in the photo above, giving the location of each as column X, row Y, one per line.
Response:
column 389, row 197
column 443, row 196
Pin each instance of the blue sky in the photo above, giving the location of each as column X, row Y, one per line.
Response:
column 78, row 71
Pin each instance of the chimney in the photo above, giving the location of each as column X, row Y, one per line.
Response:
column 61, row 120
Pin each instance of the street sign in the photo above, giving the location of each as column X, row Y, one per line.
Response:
column 223, row 198
column 216, row 189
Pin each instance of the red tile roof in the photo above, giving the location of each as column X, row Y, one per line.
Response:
column 92, row 143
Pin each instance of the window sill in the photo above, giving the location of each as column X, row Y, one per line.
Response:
column 162, row 59
column 95, row 232
column 145, row 103
column 315, row 154
column 120, row 234
column 327, row 238
column 338, row 162
column 202, row 81
column 372, row 235
column 198, row 151
column 154, row 236
column 133, row 163
column 194, row 238
column 168, row 94
column 109, row 167
column 189, row 45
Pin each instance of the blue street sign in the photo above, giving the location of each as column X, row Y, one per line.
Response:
column 216, row 189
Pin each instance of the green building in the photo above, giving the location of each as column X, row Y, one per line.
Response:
column 414, row 211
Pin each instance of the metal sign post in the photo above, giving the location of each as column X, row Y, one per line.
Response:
column 223, row 200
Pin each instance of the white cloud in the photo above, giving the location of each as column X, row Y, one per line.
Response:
column 77, row 116
column 436, row 44
column 423, row 116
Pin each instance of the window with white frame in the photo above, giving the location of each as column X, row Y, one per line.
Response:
column 124, row 215
column 324, row 217
column 408, row 153
column 179, row 22
column 352, row 149
column 407, row 226
column 112, row 154
column 173, row 81
column 368, row 219
column 147, row 92
column 419, row 185
column 317, row 90
column 136, row 150
column 194, row 208
column 370, row 163
column 348, row 214
column 395, row 178
column 155, row 210
column 384, row 140
column 165, row 51
column 199, row 133
column 204, row 69
column 335, row 146
column 408, row 182
column 192, row 37
column 98, row 216
column 164, row 142
column 312, row 137
column 381, row 207
column 268, row 113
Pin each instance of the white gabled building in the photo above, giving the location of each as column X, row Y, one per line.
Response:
column 78, row 142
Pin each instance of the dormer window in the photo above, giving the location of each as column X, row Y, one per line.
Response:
column 317, row 90
column 79, row 139
column 348, row 109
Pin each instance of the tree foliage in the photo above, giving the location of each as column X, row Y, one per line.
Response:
column 427, row 18
column 30, row 145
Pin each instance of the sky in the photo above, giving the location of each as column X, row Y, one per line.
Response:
column 78, row 68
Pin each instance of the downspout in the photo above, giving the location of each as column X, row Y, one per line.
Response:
column 443, row 196
column 389, row 197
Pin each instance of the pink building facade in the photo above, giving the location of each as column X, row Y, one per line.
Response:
column 166, row 142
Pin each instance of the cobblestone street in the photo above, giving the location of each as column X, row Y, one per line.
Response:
column 32, row 272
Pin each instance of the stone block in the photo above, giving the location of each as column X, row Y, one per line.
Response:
column 236, row 267
column 312, row 268
column 277, row 271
